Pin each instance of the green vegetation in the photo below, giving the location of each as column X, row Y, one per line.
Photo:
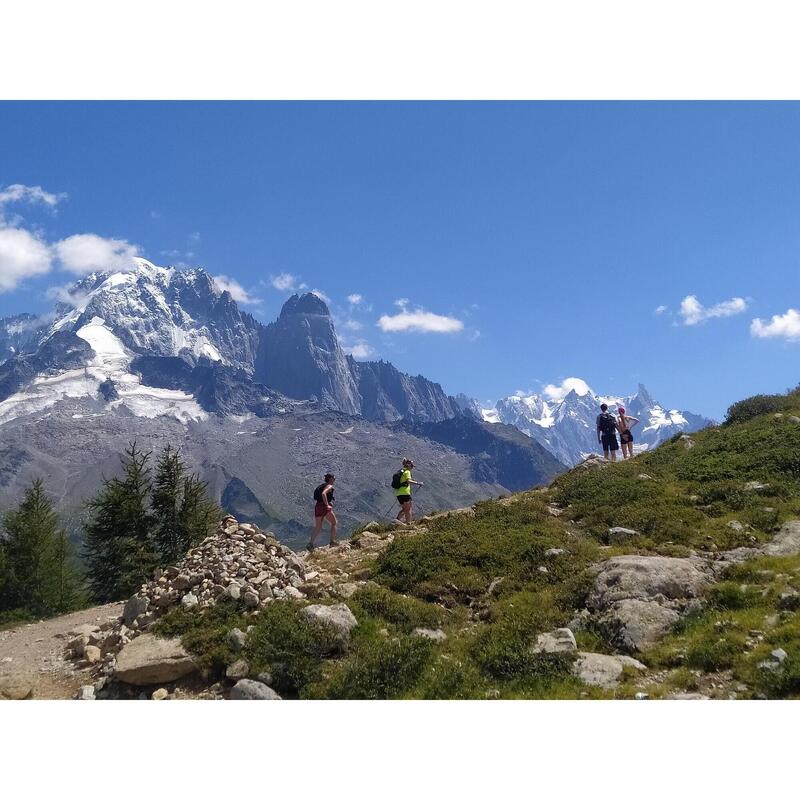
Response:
column 38, row 574
column 139, row 521
column 520, row 567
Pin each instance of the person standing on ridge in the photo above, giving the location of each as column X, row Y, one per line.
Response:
column 624, row 424
column 607, row 433
column 323, row 510
column 402, row 483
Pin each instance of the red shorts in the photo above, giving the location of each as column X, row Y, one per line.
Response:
column 320, row 509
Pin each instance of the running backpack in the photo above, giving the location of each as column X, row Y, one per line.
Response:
column 318, row 492
column 607, row 423
column 397, row 480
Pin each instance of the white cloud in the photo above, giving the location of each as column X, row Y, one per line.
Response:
column 235, row 289
column 418, row 320
column 22, row 255
column 322, row 296
column 18, row 192
column 354, row 299
column 557, row 392
column 286, row 282
column 359, row 350
column 784, row 326
column 88, row 252
column 352, row 325
column 661, row 310
column 693, row 311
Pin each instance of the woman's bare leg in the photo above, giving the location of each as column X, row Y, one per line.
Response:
column 317, row 529
column 331, row 517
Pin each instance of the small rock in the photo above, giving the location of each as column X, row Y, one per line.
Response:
column 437, row 635
column 561, row 640
column 251, row 599
column 135, row 606
column 641, row 696
column 338, row 616
column 86, row 693
column 543, row 570
column 92, row 654
column 780, row 655
column 553, row 552
column 160, row 694
column 755, row 486
column 618, row 534
column 239, row 669
column 735, row 525
column 494, row 585
column 237, row 640
column 189, row 601
column 265, row 677
column 253, row 690
column 643, row 476
column 233, row 591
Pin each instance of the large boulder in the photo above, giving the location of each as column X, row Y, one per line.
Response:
column 637, row 599
column 604, row 671
column 647, row 578
column 637, row 624
column 338, row 616
column 148, row 659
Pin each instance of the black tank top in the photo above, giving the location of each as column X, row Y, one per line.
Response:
column 321, row 488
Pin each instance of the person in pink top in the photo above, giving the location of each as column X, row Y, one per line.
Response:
column 624, row 425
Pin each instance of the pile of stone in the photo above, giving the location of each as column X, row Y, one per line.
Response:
column 238, row 562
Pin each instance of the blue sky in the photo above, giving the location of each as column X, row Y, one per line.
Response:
column 531, row 241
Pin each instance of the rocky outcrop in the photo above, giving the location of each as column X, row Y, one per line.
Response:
column 238, row 563
column 148, row 660
column 637, row 599
column 299, row 355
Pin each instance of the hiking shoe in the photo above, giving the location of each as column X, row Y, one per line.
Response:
column 310, row 547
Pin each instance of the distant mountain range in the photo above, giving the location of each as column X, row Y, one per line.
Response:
column 567, row 426
column 159, row 354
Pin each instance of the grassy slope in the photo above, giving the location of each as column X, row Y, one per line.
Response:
column 681, row 499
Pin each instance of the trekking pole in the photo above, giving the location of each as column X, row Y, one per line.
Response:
column 389, row 510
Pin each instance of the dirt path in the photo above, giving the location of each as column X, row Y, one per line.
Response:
column 38, row 649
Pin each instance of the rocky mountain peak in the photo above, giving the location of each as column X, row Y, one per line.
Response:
column 305, row 304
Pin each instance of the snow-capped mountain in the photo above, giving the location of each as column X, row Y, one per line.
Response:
column 566, row 425
column 160, row 355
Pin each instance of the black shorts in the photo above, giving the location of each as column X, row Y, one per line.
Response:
column 403, row 499
column 626, row 437
column 609, row 441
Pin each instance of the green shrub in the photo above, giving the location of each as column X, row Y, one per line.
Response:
column 378, row 668
column 733, row 596
column 755, row 406
column 405, row 612
column 290, row 647
column 712, row 655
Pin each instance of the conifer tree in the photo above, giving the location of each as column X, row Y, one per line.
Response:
column 167, row 490
column 40, row 576
column 119, row 547
column 183, row 511
column 198, row 515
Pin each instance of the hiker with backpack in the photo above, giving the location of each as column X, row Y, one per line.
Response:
column 607, row 433
column 402, row 483
column 624, row 424
column 323, row 510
